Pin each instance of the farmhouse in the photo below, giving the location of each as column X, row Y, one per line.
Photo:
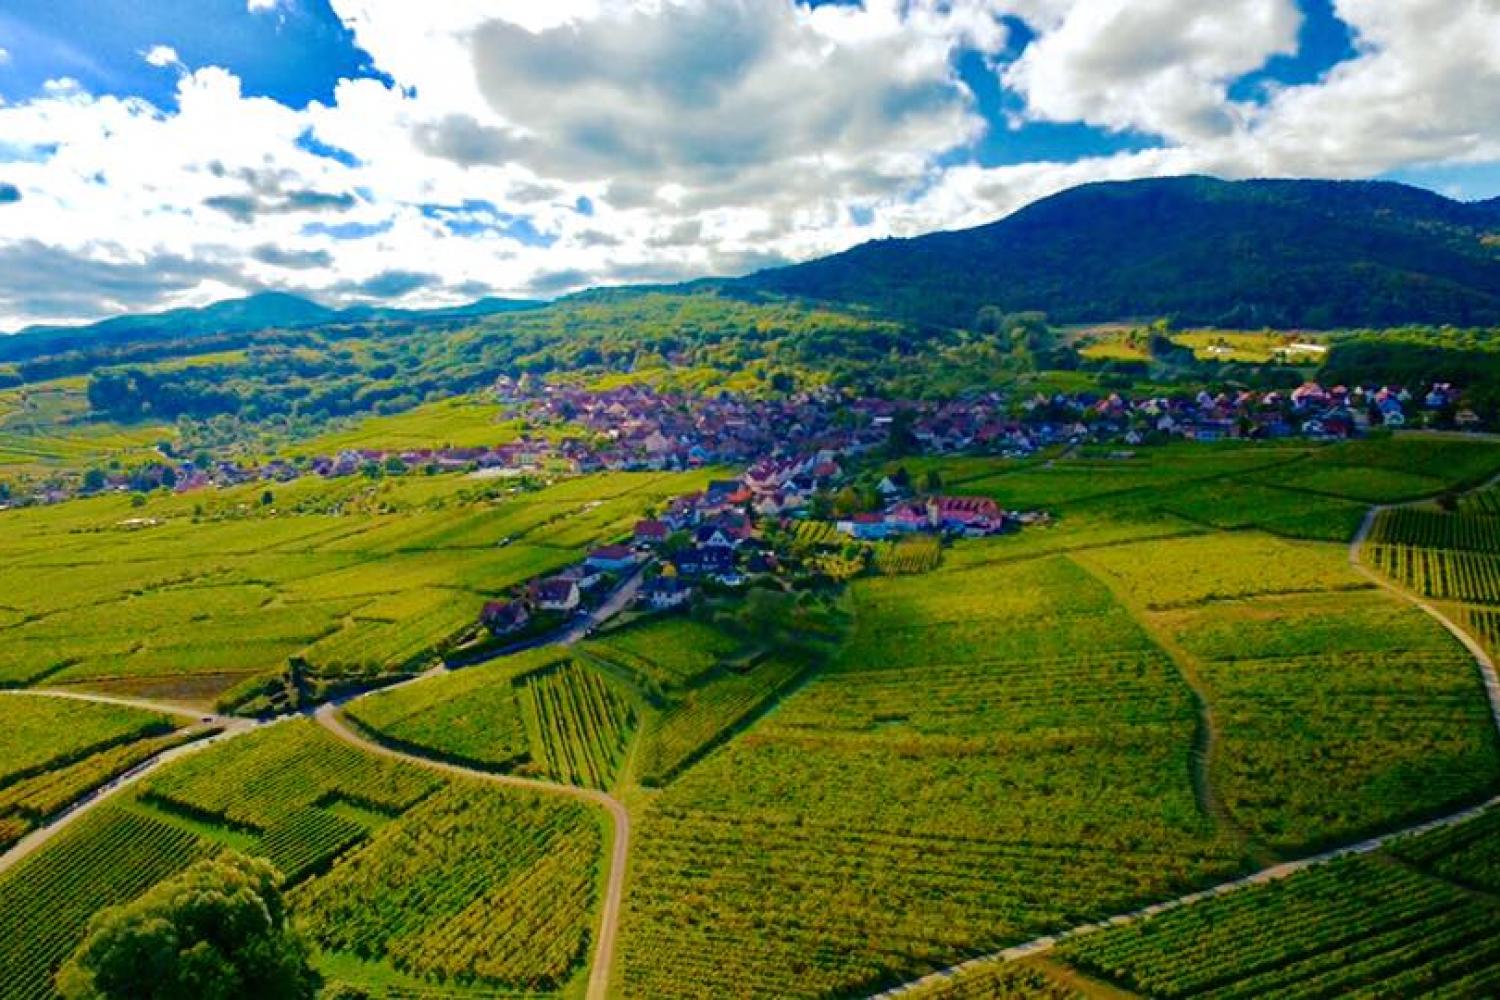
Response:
column 557, row 595
column 505, row 617
column 611, row 559
column 868, row 527
column 666, row 592
column 651, row 532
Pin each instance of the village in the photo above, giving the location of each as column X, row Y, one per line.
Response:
column 775, row 526
column 637, row 427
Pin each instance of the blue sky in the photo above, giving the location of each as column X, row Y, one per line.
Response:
column 166, row 152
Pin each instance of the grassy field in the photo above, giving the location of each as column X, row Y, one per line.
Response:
column 204, row 596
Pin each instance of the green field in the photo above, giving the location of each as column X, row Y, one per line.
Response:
column 1178, row 680
column 441, row 880
column 205, row 597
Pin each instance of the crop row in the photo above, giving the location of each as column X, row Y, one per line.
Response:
column 469, row 715
column 762, row 905
column 45, row 902
column 666, row 652
column 1468, row 853
column 282, row 769
column 1484, row 502
column 41, row 733
column 687, row 730
column 45, row 794
column 578, row 723
column 1356, row 926
column 1440, row 573
column 470, row 885
column 307, row 841
column 918, row 554
column 1436, row 530
column 998, row 982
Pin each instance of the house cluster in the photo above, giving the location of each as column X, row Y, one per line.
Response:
column 551, row 600
column 969, row 517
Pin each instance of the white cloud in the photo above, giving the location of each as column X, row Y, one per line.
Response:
column 262, row 6
column 708, row 135
column 4, row 56
column 162, row 56
column 1160, row 66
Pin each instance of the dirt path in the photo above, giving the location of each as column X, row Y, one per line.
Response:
column 1205, row 734
column 614, row 895
column 164, row 707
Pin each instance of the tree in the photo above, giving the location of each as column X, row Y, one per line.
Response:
column 94, row 481
column 217, row 931
column 934, row 482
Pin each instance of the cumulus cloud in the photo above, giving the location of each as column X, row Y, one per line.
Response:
column 1160, row 66
column 535, row 149
column 161, row 56
column 41, row 281
column 299, row 260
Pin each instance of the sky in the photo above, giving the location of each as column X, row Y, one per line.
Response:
column 162, row 153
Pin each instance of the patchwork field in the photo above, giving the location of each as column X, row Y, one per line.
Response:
column 208, row 597
column 442, row 880
column 54, row 750
column 1179, row 680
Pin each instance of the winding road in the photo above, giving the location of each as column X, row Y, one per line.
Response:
column 614, row 894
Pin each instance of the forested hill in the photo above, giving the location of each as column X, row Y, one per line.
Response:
column 1282, row 253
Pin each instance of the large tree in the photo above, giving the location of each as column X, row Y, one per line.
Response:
column 218, row 931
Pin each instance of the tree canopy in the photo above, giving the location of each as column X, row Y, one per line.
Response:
column 217, row 931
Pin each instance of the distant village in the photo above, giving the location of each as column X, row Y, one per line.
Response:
column 636, row 427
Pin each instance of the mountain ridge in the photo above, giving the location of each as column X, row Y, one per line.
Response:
column 1269, row 252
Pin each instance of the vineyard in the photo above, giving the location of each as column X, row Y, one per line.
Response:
column 281, row 770
column 916, row 554
column 578, row 724
column 1362, row 927
column 1440, row 573
column 110, row 857
column 472, row 885
column 664, row 653
column 30, row 801
column 201, row 595
column 706, row 715
column 941, row 790
column 1467, row 854
column 1431, row 529
column 41, row 733
column 470, row 715
column 1392, row 723
column 1001, row 982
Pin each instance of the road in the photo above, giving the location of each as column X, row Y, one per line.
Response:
column 163, row 707
column 36, row 839
column 614, row 893
column 1041, row 945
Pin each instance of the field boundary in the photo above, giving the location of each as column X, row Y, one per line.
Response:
column 331, row 719
column 1047, row 943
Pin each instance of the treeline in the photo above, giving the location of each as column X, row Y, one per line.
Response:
column 1419, row 358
